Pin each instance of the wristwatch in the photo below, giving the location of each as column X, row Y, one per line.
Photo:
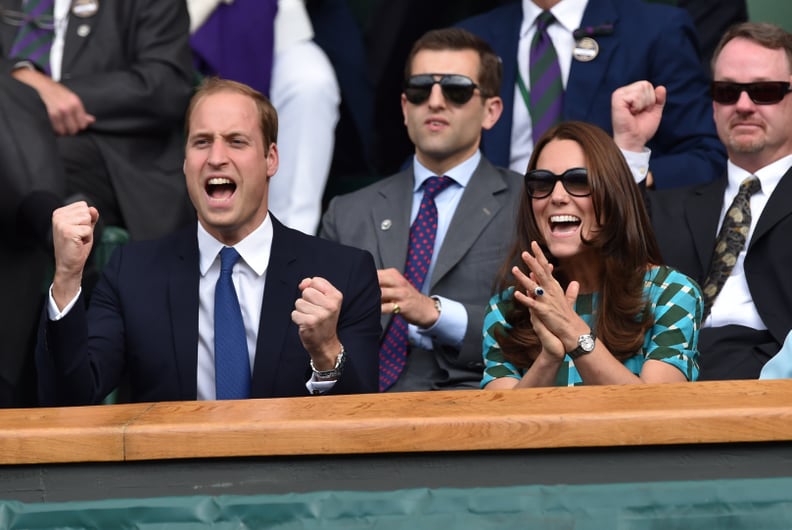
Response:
column 335, row 372
column 585, row 345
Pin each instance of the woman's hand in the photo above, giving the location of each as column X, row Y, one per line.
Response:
column 552, row 312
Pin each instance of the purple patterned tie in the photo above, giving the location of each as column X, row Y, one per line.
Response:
column 232, row 363
column 547, row 90
column 393, row 350
column 36, row 32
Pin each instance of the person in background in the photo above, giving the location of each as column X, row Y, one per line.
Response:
column 92, row 94
column 238, row 306
column 439, row 228
column 597, row 47
column 298, row 77
column 585, row 298
column 732, row 235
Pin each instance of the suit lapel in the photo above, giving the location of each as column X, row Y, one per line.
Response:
column 390, row 217
column 477, row 207
column 778, row 206
column 183, row 278
column 280, row 293
column 702, row 215
column 78, row 33
column 585, row 78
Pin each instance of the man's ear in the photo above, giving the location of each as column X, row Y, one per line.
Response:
column 493, row 108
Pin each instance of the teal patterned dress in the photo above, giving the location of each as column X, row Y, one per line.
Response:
column 675, row 302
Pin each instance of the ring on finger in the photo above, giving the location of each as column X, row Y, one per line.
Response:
column 396, row 308
column 538, row 291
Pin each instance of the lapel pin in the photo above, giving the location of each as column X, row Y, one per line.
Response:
column 386, row 224
column 84, row 8
column 586, row 49
column 83, row 30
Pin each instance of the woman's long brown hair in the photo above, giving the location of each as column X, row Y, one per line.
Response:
column 624, row 241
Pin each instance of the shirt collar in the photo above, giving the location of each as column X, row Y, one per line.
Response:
column 769, row 176
column 568, row 13
column 460, row 174
column 254, row 249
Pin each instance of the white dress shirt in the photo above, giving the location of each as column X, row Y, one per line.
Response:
column 734, row 304
column 451, row 326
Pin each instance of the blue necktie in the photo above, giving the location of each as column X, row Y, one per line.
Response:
column 393, row 350
column 232, row 364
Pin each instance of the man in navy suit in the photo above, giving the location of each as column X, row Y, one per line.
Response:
column 603, row 45
column 311, row 308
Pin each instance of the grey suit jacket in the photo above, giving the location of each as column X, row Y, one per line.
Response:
column 465, row 266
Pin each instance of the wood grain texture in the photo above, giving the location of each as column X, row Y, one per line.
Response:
column 469, row 420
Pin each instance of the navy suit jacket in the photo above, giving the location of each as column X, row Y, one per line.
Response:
column 654, row 42
column 686, row 224
column 142, row 324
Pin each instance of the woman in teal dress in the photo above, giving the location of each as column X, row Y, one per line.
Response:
column 584, row 297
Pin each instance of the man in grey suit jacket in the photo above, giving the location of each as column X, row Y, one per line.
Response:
column 475, row 213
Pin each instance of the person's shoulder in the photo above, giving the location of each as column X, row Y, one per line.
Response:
column 359, row 198
column 321, row 250
column 485, row 20
column 651, row 15
column 667, row 277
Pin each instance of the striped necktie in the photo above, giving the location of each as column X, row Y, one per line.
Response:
column 36, row 33
column 547, row 90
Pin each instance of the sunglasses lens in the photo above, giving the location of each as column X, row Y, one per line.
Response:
column 458, row 94
column 576, row 182
column 417, row 94
column 539, row 184
column 725, row 93
column 766, row 93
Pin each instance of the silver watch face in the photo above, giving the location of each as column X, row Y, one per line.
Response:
column 586, row 343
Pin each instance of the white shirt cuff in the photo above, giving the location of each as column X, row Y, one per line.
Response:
column 52, row 308
column 638, row 162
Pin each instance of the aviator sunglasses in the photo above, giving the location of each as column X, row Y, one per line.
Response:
column 458, row 89
column 539, row 183
column 761, row 92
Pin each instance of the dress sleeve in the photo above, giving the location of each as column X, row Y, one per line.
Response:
column 676, row 305
column 495, row 366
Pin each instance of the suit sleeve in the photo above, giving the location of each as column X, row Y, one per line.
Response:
column 147, row 83
column 359, row 327
column 71, row 370
column 692, row 151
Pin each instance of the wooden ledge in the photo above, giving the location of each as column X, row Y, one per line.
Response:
column 467, row 420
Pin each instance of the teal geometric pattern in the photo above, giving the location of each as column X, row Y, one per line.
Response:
column 674, row 300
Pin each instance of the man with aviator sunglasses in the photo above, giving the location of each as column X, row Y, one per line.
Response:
column 450, row 95
column 750, row 315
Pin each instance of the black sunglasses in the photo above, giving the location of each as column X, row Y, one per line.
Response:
column 458, row 89
column 539, row 183
column 761, row 92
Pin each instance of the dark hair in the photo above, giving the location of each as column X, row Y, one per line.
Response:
column 490, row 67
column 624, row 241
column 762, row 33
column 268, row 116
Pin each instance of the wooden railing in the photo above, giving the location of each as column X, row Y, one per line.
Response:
column 698, row 413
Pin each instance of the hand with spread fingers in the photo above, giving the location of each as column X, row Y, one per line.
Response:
column 400, row 297
column 553, row 310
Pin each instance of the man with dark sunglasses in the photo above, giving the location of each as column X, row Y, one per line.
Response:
column 436, row 275
column 749, row 312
